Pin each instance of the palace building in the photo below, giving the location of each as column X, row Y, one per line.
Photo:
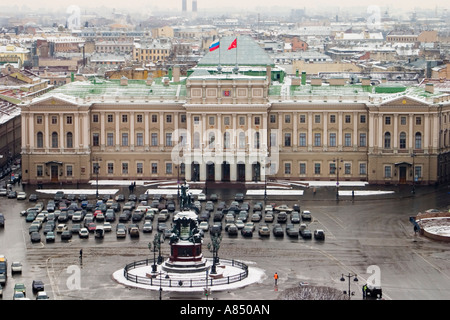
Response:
column 239, row 121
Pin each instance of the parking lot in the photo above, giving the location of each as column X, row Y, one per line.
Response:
column 357, row 235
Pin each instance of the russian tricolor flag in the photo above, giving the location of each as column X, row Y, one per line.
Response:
column 215, row 45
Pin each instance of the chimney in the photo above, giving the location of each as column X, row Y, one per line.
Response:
column 303, row 78
column 269, row 73
column 176, row 73
column 429, row 87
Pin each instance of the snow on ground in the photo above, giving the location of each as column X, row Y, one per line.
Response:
column 439, row 230
column 254, row 275
column 275, row 192
column 78, row 191
column 363, row 192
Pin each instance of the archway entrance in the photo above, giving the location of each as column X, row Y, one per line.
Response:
column 225, row 171
column 256, row 171
column 210, row 171
column 241, row 172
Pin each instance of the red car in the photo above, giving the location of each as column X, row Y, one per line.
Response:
column 91, row 227
column 96, row 212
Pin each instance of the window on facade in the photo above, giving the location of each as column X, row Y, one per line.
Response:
column 95, row 118
column 124, row 118
column 154, row 168
column 38, row 119
column 39, row 171
column 139, row 118
column 347, row 168
column 139, row 168
column 302, row 168
column 69, row 170
column 139, row 139
column 362, row 118
column 40, row 140
column 54, row 119
column 316, row 168
column 348, row 118
column 226, row 121
column 302, row 139
column 417, row 172
column 241, row 121
column 332, row 118
column 110, row 139
column 154, row 118
column 362, row 168
column 169, row 118
column 287, row 139
column 169, row 168
column 124, row 167
column 110, row 118
column 317, row 118
column 69, row 119
column 317, row 140
column 168, row 139
column 287, row 168
column 110, row 168
column 226, row 140
column 257, row 140
column 418, row 140
column 332, row 142
column 302, row 118
column 69, row 140
column 403, row 121
column 211, row 139
column 124, row 139
column 154, row 139
column 402, row 140
column 387, row 120
column 196, row 120
column 287, row 118
column 387, row 172
column 257, row 121
column 387, row 140
column 418, row 121
column 54, row 140
column 362, row 140
column 332, row 168
column 182, row 168
column 183, row 118
column 273, row 118
column 347, row 139
column 211, row 121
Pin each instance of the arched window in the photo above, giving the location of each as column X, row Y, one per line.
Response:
column 387, row 140
column 211, row 139
column 402, row 140
column 196, row 140
column 418, row 141
column 226, row 140
column 69, row 140
column 54, row 140
column 241, row 140
column 40, row 140
column 257, row 140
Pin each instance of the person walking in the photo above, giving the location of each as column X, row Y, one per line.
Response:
column 275, row 277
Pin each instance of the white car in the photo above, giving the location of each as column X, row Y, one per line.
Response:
column 16, row 267
column 201, row 197
column 83, row 233
column 21, row 195
column 203, row 226
column 61, row 227
column 147, row 227
column 121, row 233
column 107, row 226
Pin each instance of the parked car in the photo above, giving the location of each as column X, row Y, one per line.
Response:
column 306, row 215
column 107, row 226
column 305, row 233
column 295, row 217
column 16, row 267
column 264, row 230
column 256, row 217
column 278, row 230
column 247, row 231
column 50, row 237
column 2, row 220
column 37, row 285
column 148, row 227
column 21, row 195
column 213, row 197
column 12, row 194
column 42, row 295
column 201, row 197
column 268, row 217
column 232, row 229
column 35, row 236
column 239, row 224
column 215, row 229
column 20, row 287
column 83, row 233
column 284, row 208
column 319, row 234
column 134, row 232
column 33, row 197
column 61, row 227
column 204, row 225
column 66, row 235
column 292, row 231
column 282, row 217
column 121, row 233
column 239, row 197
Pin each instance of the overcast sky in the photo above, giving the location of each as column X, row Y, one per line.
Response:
column 244, row 4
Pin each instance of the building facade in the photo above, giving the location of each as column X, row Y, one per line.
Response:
column 235, row 127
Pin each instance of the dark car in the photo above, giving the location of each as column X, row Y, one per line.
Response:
column 136, row 216
column 37, row 286
column 66, row 235
column 213, row 197
column 305, row 233
column 2, row 220
column 215, row 229
column 292, row 231
column 218, row 216
column 33, row 197
column 35, row 236
column 295, row 217
column 63, row 216
column 239, row 197
column 278, row 230
column 247, row 231
column 125, row 216
column 282, row 217
column 12, row 194
column 319, row 234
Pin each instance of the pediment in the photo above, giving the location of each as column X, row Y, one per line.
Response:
column 53, row 102
column 404, row 102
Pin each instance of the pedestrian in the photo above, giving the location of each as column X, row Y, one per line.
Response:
column 275, row 277
column 81, row 254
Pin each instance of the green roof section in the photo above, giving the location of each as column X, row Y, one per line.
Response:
column 246, row 53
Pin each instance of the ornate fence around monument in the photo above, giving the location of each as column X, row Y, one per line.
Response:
column 151, row 280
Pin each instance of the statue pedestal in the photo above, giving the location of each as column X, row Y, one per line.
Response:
column 186, row 257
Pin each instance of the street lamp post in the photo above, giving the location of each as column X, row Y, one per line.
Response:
column 355, row 279
column 96, row 171
column 413, row 155
column 337, row 168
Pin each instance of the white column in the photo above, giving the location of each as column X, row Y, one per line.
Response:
column 426, row 134
column 340, row 136
column 102, row 129
column 77, row 133
column 233, row 171
column 146, row 134
column 248, row 171
column 380, row 132
column 161, row 129
column 355, row 130
column 310, row 134
column 371, row 133
column 31, row 133
column 202, row 170
column 132, row 133
column 47, row 132
column 117, row 122
column 395, row 136
column 188, row 169
column 411, row 133
column 295, row 133
column 61, row 131
column 86, row 131
column 325, row 131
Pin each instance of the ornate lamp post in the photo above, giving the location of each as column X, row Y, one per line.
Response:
column 215, row 245
column 96, row 171
column 355, row 279
column 337, row 168
column 156, row 247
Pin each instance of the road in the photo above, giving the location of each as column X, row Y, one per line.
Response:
column 359, row 232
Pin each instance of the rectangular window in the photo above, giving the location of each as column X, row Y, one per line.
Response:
column 211, row 121
column 139, row 139
column 39, row 171
column 69, row 170
column 316, row 168
column 362, row 140
column 154, row 139
column 139, row 168
column 348, row 118
column 348, row 140
column 154, row 118
column 38, row 119
column 302, row 168
column 124, row 118
column 332, row 142
column 317, row 118
column 417, row 172
column 169, row 118
column 348, row 168
column 110, row 139
column 362, row 118
column 317, row 140
column 54, row 119
column 124, row 167
column 110, row 118
column 273, row 118
column 287, row 168
column 95, row 139
column 95, row 118
column 362, row 169
column 183, row 118
column 287, row 118
column 387, row 120
column 418, row 121
column 139, row 118
column 110, row 168
column 257, row 121
column 154, row 168
column 332, row 118
column 226, row 121
column 169, row 168
column 332, row 168
column 287, row 139
column 387, row 172
column 273, row 139
column 403, row 121
column 196, row 120
column 302, row 118
column 302, row 139
column 125, row 139
column 168, row 139
column 241, row 121
column 69, row 119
